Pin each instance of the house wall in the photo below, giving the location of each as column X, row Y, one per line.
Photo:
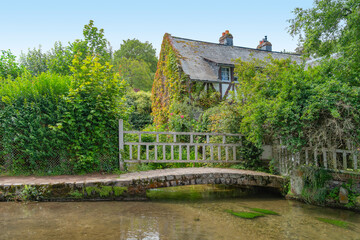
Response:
column 170, row 85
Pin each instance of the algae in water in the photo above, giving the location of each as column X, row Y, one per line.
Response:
column 246, row 215
column 335, row 222
column 264, row 211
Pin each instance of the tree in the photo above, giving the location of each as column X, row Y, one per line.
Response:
column 59, row 59
column 8, row 65
column 284, row 100
column 331, row 27
column 136, row 73
column 94, row 44
column 134, row 49
column 34, row 61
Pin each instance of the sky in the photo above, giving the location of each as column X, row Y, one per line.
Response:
column 28, row 24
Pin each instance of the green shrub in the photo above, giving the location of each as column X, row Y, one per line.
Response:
column 140, row 103
column 93, row 106
column 30, row 108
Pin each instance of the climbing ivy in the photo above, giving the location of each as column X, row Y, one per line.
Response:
column 169, row 83
column 172, row 87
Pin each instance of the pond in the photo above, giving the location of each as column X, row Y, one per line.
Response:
column 191, row 212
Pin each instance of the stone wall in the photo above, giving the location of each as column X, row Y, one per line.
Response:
column 341, row 189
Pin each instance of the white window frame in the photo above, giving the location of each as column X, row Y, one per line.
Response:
column 221, row 74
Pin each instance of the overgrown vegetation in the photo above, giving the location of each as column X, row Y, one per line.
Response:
column 32, row 193
column 63, row 120
column 140, row 104
column 64, row 104
column 314, row 189
column 352, row 194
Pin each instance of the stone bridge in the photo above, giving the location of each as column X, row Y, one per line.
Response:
column 131, row 186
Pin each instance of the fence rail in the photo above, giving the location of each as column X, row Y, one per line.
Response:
column 193, row 146
column 339, row 159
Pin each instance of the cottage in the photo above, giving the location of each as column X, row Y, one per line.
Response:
column 202, row 72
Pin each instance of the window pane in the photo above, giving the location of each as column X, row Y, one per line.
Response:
column 225, row 74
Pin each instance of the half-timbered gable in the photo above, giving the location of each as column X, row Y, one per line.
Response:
column 189, row 67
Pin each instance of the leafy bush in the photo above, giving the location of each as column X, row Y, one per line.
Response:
column 8, row 65
column 279, row 99
column 94, row 104
column 140, row 103
column 30, row 107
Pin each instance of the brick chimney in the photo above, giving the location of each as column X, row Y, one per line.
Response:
column 265, row 45
column 226, row 38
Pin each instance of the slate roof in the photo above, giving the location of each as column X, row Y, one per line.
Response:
column 198, row 57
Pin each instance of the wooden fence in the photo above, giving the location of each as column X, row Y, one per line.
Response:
column 198, row 147
column 185, row 147
column 339, row 159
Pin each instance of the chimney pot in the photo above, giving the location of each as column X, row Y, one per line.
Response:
column 226, row 38
column 265, row 45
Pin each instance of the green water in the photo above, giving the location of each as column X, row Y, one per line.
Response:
column 192, row 212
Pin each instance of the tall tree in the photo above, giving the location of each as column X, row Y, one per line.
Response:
column 35, row 61
column 331, row 27
column 8, row 65
column 94, row 44
column 134, row 49
column 60, row 58
column 136, row 73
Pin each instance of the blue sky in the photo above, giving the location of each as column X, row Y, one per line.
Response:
column 28, row 24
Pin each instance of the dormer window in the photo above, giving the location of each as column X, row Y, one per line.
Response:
column 225, row 74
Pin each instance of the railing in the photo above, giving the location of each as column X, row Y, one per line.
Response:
column 338, row 159
column 170, row 147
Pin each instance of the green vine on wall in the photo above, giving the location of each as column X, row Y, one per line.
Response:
column 169, row 84
column 173, row 87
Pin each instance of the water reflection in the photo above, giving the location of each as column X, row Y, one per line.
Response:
column 187, row 218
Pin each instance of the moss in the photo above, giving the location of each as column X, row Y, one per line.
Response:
column 264, row 211
column 76, row 194
column 105, row 191
column 174, row 194
column 246, row 215
column 90, row 190
column 118, row 191
column 335, row 222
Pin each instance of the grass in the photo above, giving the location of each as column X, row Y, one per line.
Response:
column 338, row 223
column 264, row 211
column 246, row 215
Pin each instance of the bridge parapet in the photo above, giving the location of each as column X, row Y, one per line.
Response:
column 134, row 185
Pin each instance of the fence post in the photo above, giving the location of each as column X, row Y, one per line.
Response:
column 121, row 144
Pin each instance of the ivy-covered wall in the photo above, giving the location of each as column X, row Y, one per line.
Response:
column 170, row 83
column 173, row 87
